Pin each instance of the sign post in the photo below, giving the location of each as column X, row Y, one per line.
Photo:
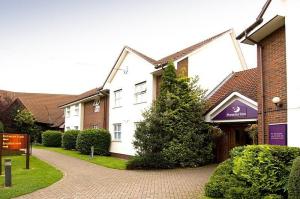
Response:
column 27, row 151
column 1, row 142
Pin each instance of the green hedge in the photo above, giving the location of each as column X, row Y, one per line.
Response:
column 51, row 138
column 69, row 139
column 255, row 169
column 99, row 138
column 294, row 180
column 153, row 161
column 1, row 127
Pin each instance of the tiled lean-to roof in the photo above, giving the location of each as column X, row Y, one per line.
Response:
column 245, row 82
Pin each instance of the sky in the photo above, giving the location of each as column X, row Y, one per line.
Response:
column 69, row 46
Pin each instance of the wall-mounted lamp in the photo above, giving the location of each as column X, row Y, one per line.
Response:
column 125, row 70
column 277, row 101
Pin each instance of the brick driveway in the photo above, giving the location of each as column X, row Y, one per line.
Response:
column 86, row 180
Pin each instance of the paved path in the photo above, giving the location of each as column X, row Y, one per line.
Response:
column 86, row 180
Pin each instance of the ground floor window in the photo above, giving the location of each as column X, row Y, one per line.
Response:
column 117, row 131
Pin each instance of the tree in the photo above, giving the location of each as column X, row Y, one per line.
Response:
column 174, row 127
column 1, row 127
column 24, row 121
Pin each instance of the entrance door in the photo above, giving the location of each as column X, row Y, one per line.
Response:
column 233, row 136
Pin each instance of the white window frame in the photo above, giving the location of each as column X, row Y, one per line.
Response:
column 117, row 129
column 117, row 98
column 95, row 126
column 76, row 109
column 68, row 111
column 76, row 127
column 140, row 91
column 96, row 105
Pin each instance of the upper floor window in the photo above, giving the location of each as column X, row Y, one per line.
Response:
column 76, row 110
column 117, row 131
column 140, row 92
column 96, row 105
column 117, row 98
column 68, row 111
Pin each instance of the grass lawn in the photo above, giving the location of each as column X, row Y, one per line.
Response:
column 24, row 181
column 106, row 161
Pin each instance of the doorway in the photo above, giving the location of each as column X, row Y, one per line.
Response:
column 234, row 135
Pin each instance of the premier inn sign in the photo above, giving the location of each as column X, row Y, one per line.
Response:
column 236, row 110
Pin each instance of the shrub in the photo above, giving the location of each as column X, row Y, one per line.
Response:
column 69, row 139
column 153, row 161
column 273, row 196
column 99, row 138
column 253, row 169
column 51, row 138
column 265, row 167
column 294, row 180
column 222, row 180
column 242, row 193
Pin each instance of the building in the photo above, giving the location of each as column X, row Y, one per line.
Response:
column 87, row 110
column 44, row 108
column 275, row 33
column 233, row 107
column 134, row 81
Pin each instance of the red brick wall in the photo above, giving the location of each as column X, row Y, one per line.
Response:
column 183, row 67
column 94, row 118
column 274, row 82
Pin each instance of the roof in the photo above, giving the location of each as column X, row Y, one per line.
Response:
column 243, row 82
column 182, row 53
column 150, row 60
column 43, row 106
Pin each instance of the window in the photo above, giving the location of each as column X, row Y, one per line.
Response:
column 68, row 112
column 96, row 105
column 140, row 92
column 68, row 128
column 76, row 127
column 95, row 126
column 76, row 110
column 117, row 132
column 117, row 97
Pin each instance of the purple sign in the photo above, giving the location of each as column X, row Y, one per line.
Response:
column 278, row 134
column 237, row 110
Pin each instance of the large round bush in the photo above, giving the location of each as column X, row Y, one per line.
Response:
column 69, row 139
column 51, row 138
column 99, row 138
column 294, row 180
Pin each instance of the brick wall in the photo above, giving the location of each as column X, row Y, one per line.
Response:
column 275, row 84
column 92, row 118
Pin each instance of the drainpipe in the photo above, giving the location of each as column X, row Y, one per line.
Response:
column 259, row 48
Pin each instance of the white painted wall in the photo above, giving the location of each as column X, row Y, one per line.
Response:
column 139, row 70
column 293, row 71
column 213, row 62
column 74, row 120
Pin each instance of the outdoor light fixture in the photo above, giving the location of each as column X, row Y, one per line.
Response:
column 276, row 101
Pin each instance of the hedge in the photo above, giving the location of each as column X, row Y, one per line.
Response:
column 51, row 138
column 255, row 169
column 150, row 161
column 99, row 138
column 69, row 139
column 294, row 180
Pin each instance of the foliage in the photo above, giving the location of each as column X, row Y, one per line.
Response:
column 36, row 133
column 242, row 193
column 153, row 161
column 69, row 139
column 106, row 161
column 24, row 181
column 1, row 127
column 174, row 127
column 253, row 169
column 294, row 180
column 51, row 138
column 99, row 138
column 215, row 131
column 24, row 121
column 273, row 196
column 252, row 130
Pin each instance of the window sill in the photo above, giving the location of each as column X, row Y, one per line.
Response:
column 117, row 107
column 116, row 141
column 140, row 103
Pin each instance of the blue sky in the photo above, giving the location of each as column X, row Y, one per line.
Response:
column 69, row 46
